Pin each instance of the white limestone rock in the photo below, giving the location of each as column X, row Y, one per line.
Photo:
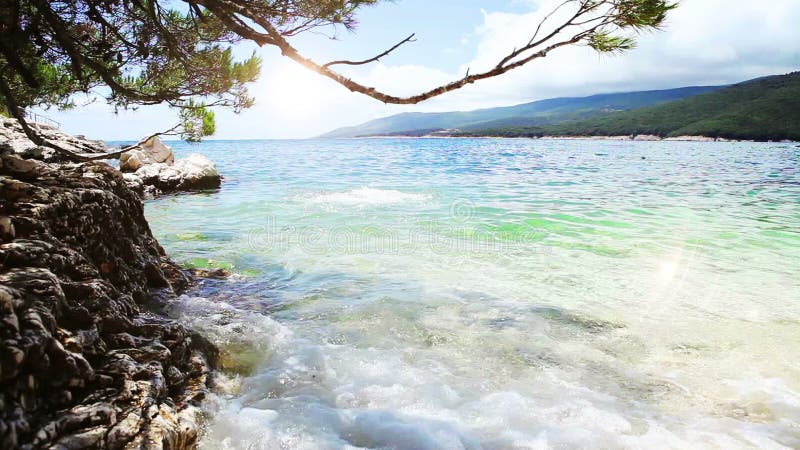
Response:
column 14, row 141
column 195, row 172
column 152, row 151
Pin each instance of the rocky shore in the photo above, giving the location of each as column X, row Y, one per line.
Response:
column 14, row 141
column 152, row 170
column 86, row 360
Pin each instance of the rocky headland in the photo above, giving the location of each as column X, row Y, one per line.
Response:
column 86, row 358
column 150, row 167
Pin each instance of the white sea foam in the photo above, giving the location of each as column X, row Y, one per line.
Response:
column 367, row 196
column 308, row 395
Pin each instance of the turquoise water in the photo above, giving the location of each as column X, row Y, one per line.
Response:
column 497, row 294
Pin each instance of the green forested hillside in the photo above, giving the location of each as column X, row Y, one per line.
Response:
column 761, row 109
column 529, row 114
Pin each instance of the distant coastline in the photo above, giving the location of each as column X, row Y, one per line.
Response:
column 761, row 110
column 637, row 138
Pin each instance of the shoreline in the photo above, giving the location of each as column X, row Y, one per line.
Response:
column 88, row 357
column 638, row 138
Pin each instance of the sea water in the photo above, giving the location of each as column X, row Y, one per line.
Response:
column 496, row 294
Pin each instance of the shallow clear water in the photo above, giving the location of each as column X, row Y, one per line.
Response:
column 497, row 294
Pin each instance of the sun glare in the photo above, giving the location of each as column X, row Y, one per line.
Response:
column 294, row 92
column 668, row 270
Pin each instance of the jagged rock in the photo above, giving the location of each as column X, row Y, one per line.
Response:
column 6, row 229
column 195, row 172
column 14, row 141
column 134, row 183
column 83, row 362
column 19, row 166
column 151, row 151
column 160, row 175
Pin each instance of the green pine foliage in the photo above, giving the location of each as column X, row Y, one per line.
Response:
column 146, row 52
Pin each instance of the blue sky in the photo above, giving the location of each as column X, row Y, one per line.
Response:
column 705, row 42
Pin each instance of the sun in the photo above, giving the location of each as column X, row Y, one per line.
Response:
column 293, row 91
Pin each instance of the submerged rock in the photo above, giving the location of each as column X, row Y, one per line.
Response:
column 83, row 362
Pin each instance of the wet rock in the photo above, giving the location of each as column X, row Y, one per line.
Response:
column 218, row 274
column 83, row 362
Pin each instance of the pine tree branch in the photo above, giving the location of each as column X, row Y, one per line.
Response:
column 374, row 58
column 505, row 66
column 114, row 155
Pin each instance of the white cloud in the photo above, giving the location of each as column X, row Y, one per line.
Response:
column 704, row 42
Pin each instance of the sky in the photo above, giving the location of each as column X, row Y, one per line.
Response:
column 705, row 42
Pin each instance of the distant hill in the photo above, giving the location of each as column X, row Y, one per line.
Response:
column 761, row 109
column 526, row 115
